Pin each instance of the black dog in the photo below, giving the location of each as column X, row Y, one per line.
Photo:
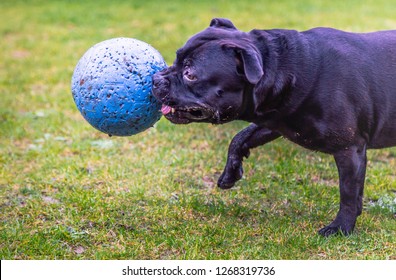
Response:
column 324, row 89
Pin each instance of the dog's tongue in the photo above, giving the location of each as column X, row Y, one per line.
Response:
column 165, row 109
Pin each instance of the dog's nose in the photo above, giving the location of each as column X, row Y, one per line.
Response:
column 159, row 81
column 156, row 81
column 160, row 85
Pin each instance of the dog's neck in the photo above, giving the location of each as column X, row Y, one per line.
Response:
column 277, row 48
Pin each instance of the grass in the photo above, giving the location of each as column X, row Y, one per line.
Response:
column 68, row 191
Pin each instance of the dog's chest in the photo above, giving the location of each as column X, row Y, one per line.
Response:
column 313, row 135
column 304, row 137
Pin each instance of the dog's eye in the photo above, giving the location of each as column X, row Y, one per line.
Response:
column 189, row 77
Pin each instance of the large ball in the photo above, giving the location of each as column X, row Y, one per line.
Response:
column 111, row 86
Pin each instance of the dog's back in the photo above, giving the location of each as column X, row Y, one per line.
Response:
column 366, row 62
column 350, row 80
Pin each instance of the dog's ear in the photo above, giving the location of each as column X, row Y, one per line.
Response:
column 222, row 23
column 249, row 62
column 251, row 66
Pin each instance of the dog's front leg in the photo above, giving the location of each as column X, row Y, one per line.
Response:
column 250, row 137
column 351, row 164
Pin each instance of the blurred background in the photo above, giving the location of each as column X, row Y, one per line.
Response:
column 68, row 191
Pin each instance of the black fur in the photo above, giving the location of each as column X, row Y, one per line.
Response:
column 324, row 89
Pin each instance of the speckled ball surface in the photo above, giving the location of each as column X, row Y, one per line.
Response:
column 111, row 86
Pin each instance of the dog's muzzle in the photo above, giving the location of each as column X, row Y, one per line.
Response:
column 160, row 87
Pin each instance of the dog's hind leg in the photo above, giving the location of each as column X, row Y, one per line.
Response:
column 250, row 137
column 351, row 164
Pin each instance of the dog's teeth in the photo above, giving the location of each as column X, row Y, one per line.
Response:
column 173, row 110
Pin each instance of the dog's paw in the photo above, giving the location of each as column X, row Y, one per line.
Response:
column 333, row 229
column 231, row 174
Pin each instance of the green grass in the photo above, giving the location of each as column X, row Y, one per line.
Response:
column 70, row 192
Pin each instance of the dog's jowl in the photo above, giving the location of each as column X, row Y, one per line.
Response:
column 324, row 89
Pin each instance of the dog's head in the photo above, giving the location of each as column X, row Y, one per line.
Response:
column 210, row 76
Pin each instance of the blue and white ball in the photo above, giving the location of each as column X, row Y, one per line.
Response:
column 111, row 86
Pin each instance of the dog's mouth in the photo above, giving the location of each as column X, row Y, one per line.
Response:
column 186, row 115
